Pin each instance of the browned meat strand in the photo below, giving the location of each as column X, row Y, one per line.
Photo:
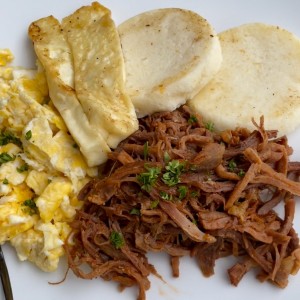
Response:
column 177, row 186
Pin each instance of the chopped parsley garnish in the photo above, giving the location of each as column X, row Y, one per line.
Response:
column 28, row 135
column 154, row 204
column 148, row 179
column 117, row 239
column 165, row 196
column 5, row 181
column 31, row 206
column 174, row 170
column 241, row 173
column 195, row 194
column 135, row 211
column 30, row 203
column 192, row 120
column 166, row 157
column 8, row 137
column 210, row 126
column 146, row 150
column 5, row 157
column 231, row 165
column 22, row 168
column 182, row 189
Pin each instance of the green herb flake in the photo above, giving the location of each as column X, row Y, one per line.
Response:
column 241, row 173
column 75, row 146
column 167, row 157
column 31, row 206
column 148, row 179
column 28, row 135
column 174, row 170
column 195, row 194
column 146, row 150
column 7, row 137
column 182, row 189
column 192, row 120
column 165, row 196
column 194, row 222
column 5, row 157
column 135, row 211
column 23, row 168
column 5, row 181
column 154, row 204
column 210, row 126
column 117, row 240
column 175, row 166
column 231, row 165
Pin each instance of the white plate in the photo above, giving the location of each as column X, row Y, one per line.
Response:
column 30, row 283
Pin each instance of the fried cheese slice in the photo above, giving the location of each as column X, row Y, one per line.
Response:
column 260, row 75
column 55, row 55
column 99, row 72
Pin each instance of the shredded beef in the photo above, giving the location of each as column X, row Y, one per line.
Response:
column 176, row 186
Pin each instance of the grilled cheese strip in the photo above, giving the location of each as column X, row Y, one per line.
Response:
column 99, row 72
column 54, row 53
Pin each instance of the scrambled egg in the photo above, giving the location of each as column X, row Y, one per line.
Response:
column 41, row 168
